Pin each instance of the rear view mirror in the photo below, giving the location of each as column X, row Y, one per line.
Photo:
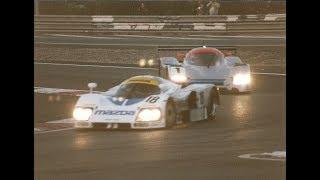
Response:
column 92, row 86
column 180, row 56
column 171, row 61
column 229, row 52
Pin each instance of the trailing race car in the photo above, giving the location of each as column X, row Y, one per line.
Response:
column 207, row 65
column 143, row 102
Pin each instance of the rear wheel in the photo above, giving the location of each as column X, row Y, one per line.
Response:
column 170, row 114
column 192, row 104
column 192, row 100
column 235, row 91
column 211, row 107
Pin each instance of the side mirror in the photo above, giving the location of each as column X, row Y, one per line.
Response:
column 92, row 86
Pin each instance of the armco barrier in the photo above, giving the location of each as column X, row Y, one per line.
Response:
column 106, row 24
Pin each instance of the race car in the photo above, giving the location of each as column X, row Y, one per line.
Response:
column 145, row 102
column 208, row 65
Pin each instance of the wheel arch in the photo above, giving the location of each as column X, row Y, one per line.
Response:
column 192, row 100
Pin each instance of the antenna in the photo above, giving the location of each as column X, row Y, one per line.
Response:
column 204, row 46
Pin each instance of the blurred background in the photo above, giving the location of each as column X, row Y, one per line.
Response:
column 154, row 7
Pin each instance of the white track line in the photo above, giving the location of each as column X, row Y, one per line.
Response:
column 274, row 156
column 163, row 37
column 67, row 121
column 45, row 90
column 257, row 37
column 272, row 74
column 57, row 130
column 90, row 44
column 154, row 45
column 126, row 67
column 247, row 156
column 93, row 37
column 85, row 65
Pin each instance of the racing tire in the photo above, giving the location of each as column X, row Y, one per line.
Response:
column 170, row 114
column 235, row 91
column 192, row 104
column 192, row 100
column 211, row 112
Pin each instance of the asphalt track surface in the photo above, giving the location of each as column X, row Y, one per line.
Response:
column 248, row 123
column 136, row 40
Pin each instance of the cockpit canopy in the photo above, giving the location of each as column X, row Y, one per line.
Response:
column 204, row 57
column 138, row 87
column 137, row 90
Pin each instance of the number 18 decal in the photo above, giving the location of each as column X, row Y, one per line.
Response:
column 152, row 99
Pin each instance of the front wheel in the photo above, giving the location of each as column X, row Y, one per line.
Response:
column 170, row 114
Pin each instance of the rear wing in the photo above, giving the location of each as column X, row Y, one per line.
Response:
column 173, row 54
column 185, row 48
column 180, row 51
column 189, row 47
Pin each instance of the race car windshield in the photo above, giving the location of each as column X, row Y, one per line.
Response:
column 137, row 90
column 234, row 60
column 171, row 62
column 208, row 59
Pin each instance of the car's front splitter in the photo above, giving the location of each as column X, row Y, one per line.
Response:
column 135, row 125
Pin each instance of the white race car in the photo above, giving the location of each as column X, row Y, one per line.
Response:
column 144, row 102
column 208, row 65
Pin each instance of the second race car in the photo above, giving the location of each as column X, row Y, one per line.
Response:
column 208, row 65
column 143, row 102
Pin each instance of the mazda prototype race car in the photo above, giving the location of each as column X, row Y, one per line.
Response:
column 208, row 65
column 144, row 102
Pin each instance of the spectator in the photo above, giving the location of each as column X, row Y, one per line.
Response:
column 142, row 9
column 213, row 7
column 200, row 10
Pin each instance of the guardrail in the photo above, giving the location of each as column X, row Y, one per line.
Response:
column 180, row 24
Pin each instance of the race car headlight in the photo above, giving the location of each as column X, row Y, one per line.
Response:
column 142, row 62
column 179, row 78
column 150, row 62
column 149, row 115
column 242, row 79
column 82, row 114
